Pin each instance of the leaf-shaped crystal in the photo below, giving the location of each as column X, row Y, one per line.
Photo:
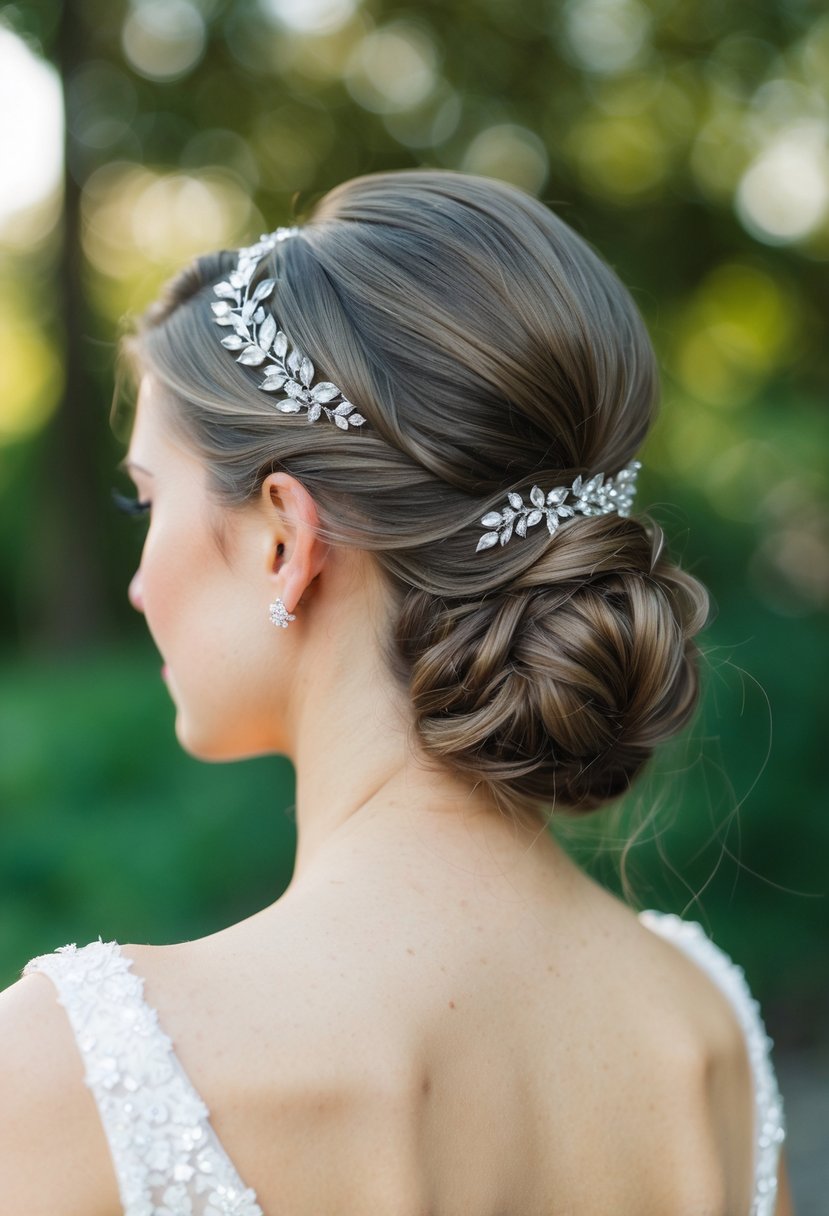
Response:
column 294, row 362
column 293, row 389
column 341, row 422
column 252, row 355
column 306, row 372
column 225, row 291
column 356, row 419
column 492, row 519
column 267, row 333
column 521, row 526
column 272, row 384
column 287, row 405
column 534, row 517
column 280, row 345
column 314, row 412
column 593, row 485
column 557, row 495
column 487, row 541
column 537, row 497
column 345, row 407
column 552, row 523
column 221, row 308
column 325, row 391
column 233, row 342
column 515, row 500
column 263, row 290
column 506, row 534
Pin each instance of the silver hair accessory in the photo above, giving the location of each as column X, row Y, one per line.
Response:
column 280, row 614
column 259, row 341
column 598, row 496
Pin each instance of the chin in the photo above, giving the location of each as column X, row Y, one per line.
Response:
column 200, row 744
column 215, row 747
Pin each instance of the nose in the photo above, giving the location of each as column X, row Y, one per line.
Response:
column 135, row 593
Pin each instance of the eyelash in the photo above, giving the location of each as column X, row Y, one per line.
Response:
column 130, row 506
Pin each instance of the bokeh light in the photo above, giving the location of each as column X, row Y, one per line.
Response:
column 510, row 152
column 738, row 326
column 30, row 371
column 393, row 68
column 620, row 157
column 163, row 39
column 140, row 225
column 310, row 16
column 102, row 102
column 784, row 194
column 607, row 35
column 31, row 129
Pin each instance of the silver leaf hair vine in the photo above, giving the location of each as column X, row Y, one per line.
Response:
column 256, row 337
column 288, row 371
column 598, row 496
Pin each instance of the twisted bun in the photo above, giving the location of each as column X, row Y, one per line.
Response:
column 560, row 686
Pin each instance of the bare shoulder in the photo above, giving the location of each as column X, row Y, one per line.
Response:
column 54, row 1159
column 279, row 1044
column 785, row 1204
column 724, row 1079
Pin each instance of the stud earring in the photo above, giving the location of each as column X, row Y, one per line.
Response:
column 279, row 613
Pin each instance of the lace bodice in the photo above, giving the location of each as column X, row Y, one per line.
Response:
column 167, row 1157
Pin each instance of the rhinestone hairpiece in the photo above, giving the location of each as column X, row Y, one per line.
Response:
column 259, row 341
column 598, row 496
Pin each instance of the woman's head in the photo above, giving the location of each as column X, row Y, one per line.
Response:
column 488, row 349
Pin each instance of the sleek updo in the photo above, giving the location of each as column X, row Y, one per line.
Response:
column 488, row 348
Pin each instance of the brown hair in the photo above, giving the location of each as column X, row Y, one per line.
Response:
column 488, row 348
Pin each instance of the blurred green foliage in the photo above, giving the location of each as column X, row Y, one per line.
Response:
column 687, row 140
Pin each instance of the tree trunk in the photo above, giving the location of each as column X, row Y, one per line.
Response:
column 65, row 603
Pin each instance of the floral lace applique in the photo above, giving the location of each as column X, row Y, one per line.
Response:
column 168, row 1159
column 770, row 1127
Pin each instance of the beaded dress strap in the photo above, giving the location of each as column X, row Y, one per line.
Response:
column 769, row 1122
column 168, row 1160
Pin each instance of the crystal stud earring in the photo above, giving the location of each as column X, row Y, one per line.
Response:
column 280, row 614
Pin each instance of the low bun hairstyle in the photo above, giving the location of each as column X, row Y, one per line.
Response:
column 489, row 349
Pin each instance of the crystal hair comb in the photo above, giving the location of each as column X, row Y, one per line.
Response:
column 598, row 496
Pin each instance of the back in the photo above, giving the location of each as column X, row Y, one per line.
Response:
column 585, row 1066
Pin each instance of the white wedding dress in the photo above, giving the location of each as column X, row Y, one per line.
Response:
column 167, row 1157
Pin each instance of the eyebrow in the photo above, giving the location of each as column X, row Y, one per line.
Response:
column 126, row 464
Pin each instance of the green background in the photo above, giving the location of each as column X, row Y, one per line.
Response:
column 687, row 142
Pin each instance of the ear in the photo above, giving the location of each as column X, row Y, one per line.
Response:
column 292, row 516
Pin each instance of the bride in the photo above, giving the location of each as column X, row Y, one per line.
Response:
column 390, row 458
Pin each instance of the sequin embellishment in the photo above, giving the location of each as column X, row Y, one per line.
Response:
column 167, row 1157
column 769, row 1119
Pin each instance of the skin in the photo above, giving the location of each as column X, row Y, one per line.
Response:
column 432, row 972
